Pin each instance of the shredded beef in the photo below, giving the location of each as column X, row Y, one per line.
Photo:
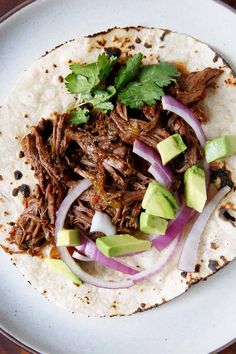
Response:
column 101, row 150
column 192, row 87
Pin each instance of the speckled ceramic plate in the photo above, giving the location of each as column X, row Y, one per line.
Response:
column 199, row 321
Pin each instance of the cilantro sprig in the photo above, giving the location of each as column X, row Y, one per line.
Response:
column 135, row 85
column 79, row 116
column 129, row 72
column 137, row 94
column 84, row 78
column 149, row 87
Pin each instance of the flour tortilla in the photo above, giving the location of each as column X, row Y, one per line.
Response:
column 40, row 92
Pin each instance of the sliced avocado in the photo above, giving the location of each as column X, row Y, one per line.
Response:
column 151, row 189
column 119, row 245
column 220, row 147
column 151, row 224
column 159, row 205
column 158, row 201
column 58, row 266
column 158, row 187
column 68, row 238
column 171, row 147
column 161, row 188
column 195, row 188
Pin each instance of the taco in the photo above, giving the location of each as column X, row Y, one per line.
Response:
column 117, row 156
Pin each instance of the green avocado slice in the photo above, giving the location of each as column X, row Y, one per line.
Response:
column 119, row 245
column 68, row 238
column 58, row 266
column 195, row 188
column 159, row 201
column 159, row 205
column 151, row 224
column 171, row 147
column 220, row 147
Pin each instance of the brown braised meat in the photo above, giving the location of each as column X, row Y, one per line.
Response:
column 192, row 87
column 101, row 150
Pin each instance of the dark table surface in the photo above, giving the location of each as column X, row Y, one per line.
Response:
column 6, row 345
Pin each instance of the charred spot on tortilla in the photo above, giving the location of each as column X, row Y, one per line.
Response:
column 215, row 58
column 224, row 259
column 138, row 40
column 21, row 154
column 231, row 81
column 226, row 216
column 116, row 39
column 148, row 44
column 24, row 189
column 101, row 42
column 113, row 51
column 221, row 175
column 183, row 274
column 214, row 245
column 17, row 175
column 26, row 115
column 197, row 268
column 131, row 47
column 46, row 71
column 213, row 265
column 1, row 178
column 56, row 47
column 164, row 33
column 15, row 191
column 97, row 34
column 60, row 78
column 54, row 65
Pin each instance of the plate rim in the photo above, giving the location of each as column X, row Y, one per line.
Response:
column 4, row 333
column 15, row 9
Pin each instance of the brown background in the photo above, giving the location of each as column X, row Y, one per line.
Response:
column 6, row 346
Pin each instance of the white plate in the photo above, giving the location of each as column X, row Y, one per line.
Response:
column 199, row 321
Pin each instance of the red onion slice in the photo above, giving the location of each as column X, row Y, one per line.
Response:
column 87, row 278
column 89, row 248
column 101, row 222
column 80, row 257
column 174, row 229
column 150, row 155
column 159, row 175
column 171, row 104
column 188, row 256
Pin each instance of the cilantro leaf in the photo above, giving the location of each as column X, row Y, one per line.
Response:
column 84, row 78
column 137, row 94
column 85, row 70
column 79, row 116
column 104, row 65
column 129, row 72
column 79, row 83
column 101, row 97
column 104, row 106
column 162, row 74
